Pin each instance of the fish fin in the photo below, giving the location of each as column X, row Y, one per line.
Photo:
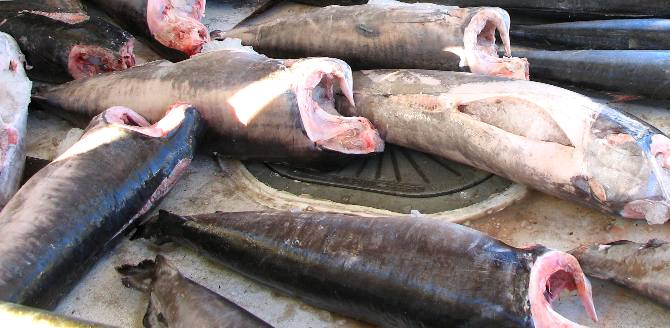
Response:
column 136, row 276
column 153, row 318
column 654, row 243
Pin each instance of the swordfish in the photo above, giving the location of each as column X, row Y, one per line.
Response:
column 549, row 138
column 392, row 35
column 255, row 107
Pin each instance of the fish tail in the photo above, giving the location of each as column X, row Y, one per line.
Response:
column 136, row 276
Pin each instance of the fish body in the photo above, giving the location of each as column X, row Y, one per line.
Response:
column 642, row 267
column 75, row 208
column 172, row 24
column 391, row 271
column 64, row 46
column 255, row 107
column 641, row 72
column 181, row 302
column 614, row 34
column 332, row 2
column 14, row 99
column 572, row 8
column 15, row 315
column 573, row 148
column 392, row 35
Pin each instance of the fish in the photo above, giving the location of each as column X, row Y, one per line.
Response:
column 16, row 315
column 613, row 34
column 174, row 25
column 332, row 2
column 14, row 99
column 76, row 208
column 576, row 149
column 574, row 8
column 64, row 46
column 642, row 267
column 176, row 301
column 387, row 271
column 255, row 107
column 392, row 35
column 639, row 72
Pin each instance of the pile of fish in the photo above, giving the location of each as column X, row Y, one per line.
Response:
column 426, row 76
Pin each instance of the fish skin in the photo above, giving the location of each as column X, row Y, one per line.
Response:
column 614, row 34
column 68, row 214
column 134, row 15
column 251, row 103
column 14, row 99
column 392, row 35
column 574, row 8
column 640, row 72
column 332, row 2
column 59, row 51
column 397, row 272
column 21, row 315
column 576, row 149
column 642, row 267
column 181, row 302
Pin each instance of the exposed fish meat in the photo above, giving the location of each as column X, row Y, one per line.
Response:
column 14, row 98
column 390, row 35
column 75, row 208
column 390, row 271
column 255, row 107
column 180, row 302
column 644, row 268
column 642, row 72
column 614, row 34
column 65, row 46
column 575, row 148
column 174, row 24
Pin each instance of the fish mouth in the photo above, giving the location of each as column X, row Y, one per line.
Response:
column 551, row 273
column 176, row 24
column 313, row 81
column 129, row 119
column 656, row 207
column 87, row 60
column 481, row 50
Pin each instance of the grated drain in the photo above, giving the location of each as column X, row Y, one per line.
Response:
column 397, row 180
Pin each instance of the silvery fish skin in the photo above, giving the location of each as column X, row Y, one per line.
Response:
column 64, row 46
column 173, row 25
column 255, row 107
column 641, row 72
column 388, row 271
column 74, row 209
column 15, row 315
column 612, row 34
column 14, row 99
column 176, row 301
column 392, row 35
column 642, row 267
column 576, row 149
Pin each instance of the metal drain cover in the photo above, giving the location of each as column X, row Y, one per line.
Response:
column 399, row 180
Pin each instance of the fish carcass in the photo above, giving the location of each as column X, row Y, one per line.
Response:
column 255, row 107
column 545, row 137
column 75, row 208
column 389, row 271
column 61, row 46
column 571, row 8
column 392, row 35
column 14, row 98
column 642, row 72
column 642, row 267
column 614, row 34
column 173, row 24
column 180, row 302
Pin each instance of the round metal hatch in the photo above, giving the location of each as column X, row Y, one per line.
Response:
column 398, row 180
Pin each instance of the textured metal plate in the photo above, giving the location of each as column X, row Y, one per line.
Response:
column 398, row 180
